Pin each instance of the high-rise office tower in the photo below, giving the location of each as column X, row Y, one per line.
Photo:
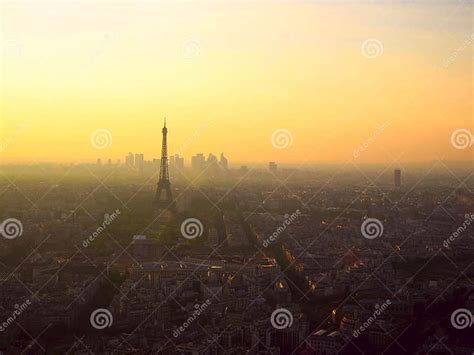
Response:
column 211, row 159
column 129, row 161
column 397, row 176
column 139, row 161
column 224, row 162
column 198, row 161
column 172, row 163
column 212, row 164
column 178, row 162
column 272, row 166
column 163, row 197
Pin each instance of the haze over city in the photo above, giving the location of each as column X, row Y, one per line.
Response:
column 236, row 177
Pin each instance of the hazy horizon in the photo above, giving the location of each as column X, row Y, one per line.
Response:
column 388, row 81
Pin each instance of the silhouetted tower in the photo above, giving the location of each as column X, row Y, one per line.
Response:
column 397, row 177
column 163, row 198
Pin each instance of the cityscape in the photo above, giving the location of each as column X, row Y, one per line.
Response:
column 254, row 261
column 236, row 178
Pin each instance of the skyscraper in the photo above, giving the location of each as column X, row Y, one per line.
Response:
column 212, row 164
column 179, row 162
column 163, row 198
column 397, row 176
column 139, row 161
column 272, row 166
column 198, row 161
column 129, row 161
column 211, row 159
column 223, row 162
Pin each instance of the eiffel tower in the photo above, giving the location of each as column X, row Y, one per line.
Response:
column 163, row 198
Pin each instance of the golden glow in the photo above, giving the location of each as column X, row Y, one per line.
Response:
column 254, row 67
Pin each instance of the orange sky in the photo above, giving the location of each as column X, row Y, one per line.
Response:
column 228, row 74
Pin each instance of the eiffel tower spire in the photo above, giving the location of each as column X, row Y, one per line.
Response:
column 163, row 197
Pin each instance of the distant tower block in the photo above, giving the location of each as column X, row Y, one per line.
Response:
column 273, row 167
column 163, row 198
column 397, row 177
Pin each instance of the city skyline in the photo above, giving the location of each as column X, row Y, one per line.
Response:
column 278, row 177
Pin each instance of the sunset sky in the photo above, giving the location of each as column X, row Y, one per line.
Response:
column 227, row 74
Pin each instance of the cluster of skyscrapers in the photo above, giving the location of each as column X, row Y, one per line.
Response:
column 198, row 161
column 135, row 160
